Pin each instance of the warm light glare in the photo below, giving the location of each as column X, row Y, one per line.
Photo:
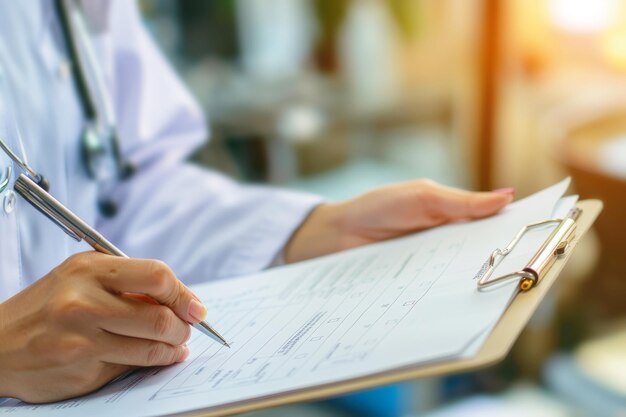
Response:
column 583, row 16
column 614, row 47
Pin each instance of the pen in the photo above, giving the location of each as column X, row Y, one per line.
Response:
column 75, row 227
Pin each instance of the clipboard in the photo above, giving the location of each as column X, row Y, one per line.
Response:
column 495, row 348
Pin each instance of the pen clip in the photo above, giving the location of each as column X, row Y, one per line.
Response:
column 34, row 194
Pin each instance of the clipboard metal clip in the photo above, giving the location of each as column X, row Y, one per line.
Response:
column 554, row 246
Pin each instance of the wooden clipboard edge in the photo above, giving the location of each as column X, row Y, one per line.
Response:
column 496, row 347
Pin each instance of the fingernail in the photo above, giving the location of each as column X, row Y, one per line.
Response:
column 184, row 353
column 197, row 311
column 507, row 190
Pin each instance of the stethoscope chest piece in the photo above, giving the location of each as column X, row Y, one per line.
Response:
column 94, row 154
column 102, row 167
column 99, row 167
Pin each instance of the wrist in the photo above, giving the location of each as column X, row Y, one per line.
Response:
column 319, row 234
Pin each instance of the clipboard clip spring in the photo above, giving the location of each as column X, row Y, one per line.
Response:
column 554, row 246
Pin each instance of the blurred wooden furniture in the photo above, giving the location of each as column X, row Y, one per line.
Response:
column 488, row 82
column 579, row 152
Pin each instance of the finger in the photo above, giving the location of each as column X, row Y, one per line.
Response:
column 132, row 351
column 152, row 278
column 129, row 317
column 455, row 204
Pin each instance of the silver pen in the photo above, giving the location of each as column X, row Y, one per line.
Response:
column 74, row 226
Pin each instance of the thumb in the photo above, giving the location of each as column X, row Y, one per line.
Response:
column 458, row 204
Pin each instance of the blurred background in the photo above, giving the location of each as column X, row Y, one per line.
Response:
column 337, row 96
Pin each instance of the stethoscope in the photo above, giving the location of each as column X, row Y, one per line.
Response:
column 100, row 147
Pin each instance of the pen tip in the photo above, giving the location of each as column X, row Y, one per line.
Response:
column 227, row 345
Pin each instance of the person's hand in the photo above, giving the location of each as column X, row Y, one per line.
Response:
column 83, row 324
column 389, row 212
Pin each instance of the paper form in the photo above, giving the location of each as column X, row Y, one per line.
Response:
column 373, row 309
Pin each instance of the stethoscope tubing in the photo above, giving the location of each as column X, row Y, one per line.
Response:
column 96, row 105
column 95, row 100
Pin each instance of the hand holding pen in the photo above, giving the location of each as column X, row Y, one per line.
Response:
column 75, row 227
column 74, row 330
column 86, row 322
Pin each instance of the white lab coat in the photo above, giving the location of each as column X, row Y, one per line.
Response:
column 205, row 226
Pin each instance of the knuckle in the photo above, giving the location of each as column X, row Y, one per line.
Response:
column 80, row 263
column 428, row 190
column 426, row 187
column 163, row 321
column 161, row 275
column 73, row 349
column 166, row 286
column 182, row 332
column 426, row 184
column 423, row 189
column 186, row 334
column 75, row 267
column 158, row 354
column 179, row 293
column 71, row 305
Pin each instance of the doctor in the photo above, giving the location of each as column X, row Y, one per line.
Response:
column 66, row 326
